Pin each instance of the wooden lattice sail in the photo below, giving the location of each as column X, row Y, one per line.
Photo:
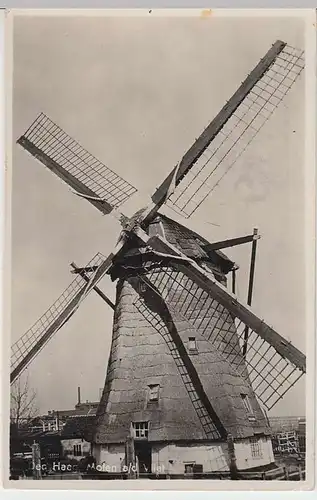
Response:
column 82, row 171
column 28, row 346
column 231, row 132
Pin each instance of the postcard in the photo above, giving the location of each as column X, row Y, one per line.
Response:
column 160, row 281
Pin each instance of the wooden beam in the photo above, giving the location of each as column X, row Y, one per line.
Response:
column 63, row 174
column 218, row 245
column 96, row 288
column 79, row 270
column 217, row 291
column 250, row 288
column 59, row 321
column 36, row 461
column 233, row 280
column 199, row 146
column 232, row 458
column 252, row 266
column 130, row 458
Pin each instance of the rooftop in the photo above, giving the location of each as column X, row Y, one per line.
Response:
column 78, row 427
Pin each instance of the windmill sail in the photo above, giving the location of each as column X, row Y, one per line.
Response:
column 224, row 140
column 273, row 364
column 30, row 344
column 85, row 174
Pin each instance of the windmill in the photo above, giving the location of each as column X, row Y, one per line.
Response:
column 224, row 359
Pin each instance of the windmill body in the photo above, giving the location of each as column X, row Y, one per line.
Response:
column 147, row 384
column 191, row 366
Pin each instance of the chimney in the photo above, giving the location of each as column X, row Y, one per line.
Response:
column 78, row 391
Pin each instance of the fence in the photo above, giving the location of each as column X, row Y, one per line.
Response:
column 293, row 473
column 278, row 474
column 288, row 443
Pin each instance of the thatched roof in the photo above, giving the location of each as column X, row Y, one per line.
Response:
column 192, row 244
column 78, row 427
column 140, row 357
column 185, row 240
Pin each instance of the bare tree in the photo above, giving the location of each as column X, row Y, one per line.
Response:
column 23, row 403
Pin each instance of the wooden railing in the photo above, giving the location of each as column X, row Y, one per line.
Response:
column 294, row 473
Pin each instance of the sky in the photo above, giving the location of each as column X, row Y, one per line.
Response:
column 136, row 92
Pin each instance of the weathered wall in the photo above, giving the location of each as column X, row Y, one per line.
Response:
column 212, row 457
column 111, row 455
column 171, row 458
column 139, row 357
column 245, row 460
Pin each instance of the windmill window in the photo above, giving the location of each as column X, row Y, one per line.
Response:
column 256, row 450
column 77, row 450
column 192, row 344
column 248, row 407
column 141, row 430
column 154, row 390
column 142, row 286
column 189, row 467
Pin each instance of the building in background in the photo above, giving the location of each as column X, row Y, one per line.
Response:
column 76, row 437
column 63, row 435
